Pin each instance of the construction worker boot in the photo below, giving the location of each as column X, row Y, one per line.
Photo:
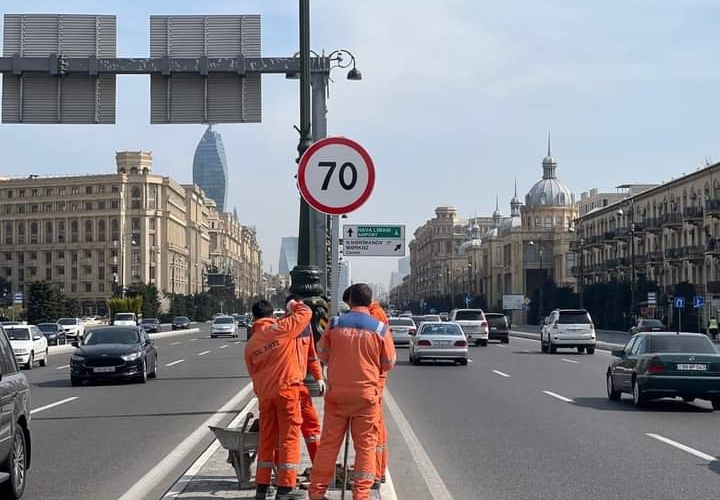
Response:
column 291, row 495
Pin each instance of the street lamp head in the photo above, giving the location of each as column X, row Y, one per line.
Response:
column 620, row 212
column 354, row 74
column 292, row 75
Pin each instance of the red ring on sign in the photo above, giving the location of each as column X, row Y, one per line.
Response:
column 319, row 206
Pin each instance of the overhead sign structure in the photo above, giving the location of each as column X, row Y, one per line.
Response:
column 513, row 301
column 336, row 176
column 373, row 240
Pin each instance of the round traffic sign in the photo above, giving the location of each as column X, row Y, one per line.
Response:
column 336, row 175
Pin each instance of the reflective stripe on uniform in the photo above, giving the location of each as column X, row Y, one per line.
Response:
column 363, row 475
column 287, row 466
column 380, row 448
column 380, row 329
column 312, row 359
column 321, row 349
column 312, row 439
column 265, row 465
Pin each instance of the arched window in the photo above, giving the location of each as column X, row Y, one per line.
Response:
column 114, row 230
column 543, row 199
column 88, row 231
column 101, row 230
column 74, row 231
column 136, row 193
column 48, row 232
column 61, row 231
column 34, row 230
column 562, row 198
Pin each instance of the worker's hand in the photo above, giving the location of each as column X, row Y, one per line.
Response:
column 322, row 386
column 290, row 305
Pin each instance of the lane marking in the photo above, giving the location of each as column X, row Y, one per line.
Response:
column 499, row 345
column 53, row 405
column 498, row 372
column 469, row 360
column 570, row 361
column 558, row 396
column 62, row 367
column 175, row 343
column 193, row 340
column 203, row 353
column 429, row 473
column 224, row 346
column 141, row 489
column 175, row 362
column 699, row 454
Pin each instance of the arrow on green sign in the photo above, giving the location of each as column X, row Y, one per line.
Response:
column 379, row 232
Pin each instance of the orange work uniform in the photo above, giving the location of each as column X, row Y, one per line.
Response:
column 381, row 460
column 271, row 356
column 309, row 361
column 357, row 349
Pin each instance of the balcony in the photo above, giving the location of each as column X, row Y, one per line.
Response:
column 613, row 263
column 609, row 236
column 672, row 220
column 713, row 287
column 712, row 208
column 693, row 215
column 599, row 268
column 712, row 247
column 641, row 260
column 673, row 254
column 655, row 258
column 694, row 253
column 653, row 225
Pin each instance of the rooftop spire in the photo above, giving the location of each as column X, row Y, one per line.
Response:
column 516, row 186
column 497, row 202
column 549, row 144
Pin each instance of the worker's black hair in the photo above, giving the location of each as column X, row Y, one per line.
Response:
column 262, row 309
column 293, row 296
column 360, row 295
column 346, row 295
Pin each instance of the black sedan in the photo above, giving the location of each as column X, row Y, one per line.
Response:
column 181, row 323
column 111, row 352
column 661, row 365
column 499, row 327
column 54, row 334
column 151, row 325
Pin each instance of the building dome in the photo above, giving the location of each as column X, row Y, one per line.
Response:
column 549, row 191
column 474, row 243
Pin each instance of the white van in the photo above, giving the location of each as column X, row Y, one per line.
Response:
column 125, row 319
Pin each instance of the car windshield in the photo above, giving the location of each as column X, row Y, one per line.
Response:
column 180, row 319
column 224, row 320
column 441, row 329
column 401, row 322
column 67, row 321
column 651, row 322
column 125, row 317
column 468, row 316
column 149, row 320
column 496, row 319
column 18, row 333
column 681, row 343
column 574, row 318
column 111, row 336
column 48, row 327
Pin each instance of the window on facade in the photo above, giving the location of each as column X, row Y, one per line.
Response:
column 135, row 223
column 21, row 209
column 7, row 209
column 101, row 272
column 10, row 193
column 114, row 253
column 73, row 273
column 88, row 231
column 8, row 233
column 75, row 190
column 61, row 254
column 48, row 191
column 48, row 274
column 87, row 270
column 8, row 272
column 114, row 230
column 136, row 257
column 61, row 231
column 88, row 189
column 33, row 271
column 48, row 207
column 21, row 232
column 61, row 206
column 88, row 287
column 35, row 192
column 114, row 204
column 34, row 230
column 48, row 257
column 8, row 255
column 74, row 206
column 61, row 191
column 101, row 205
column 60, row 270
column 74, row 256
column 88, row 205
column 48, row 232
column 101, row 256
column 21, row 193
column 151, row 223
column 21, row 257
column 114, row 188
column 152, row 198
column 21, row 275
column 73, row 286
column 135, row 271
column 34, row 208
column 101, row 230
column 74, row 231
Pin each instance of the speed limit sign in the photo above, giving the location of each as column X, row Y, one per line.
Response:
column 336, row 176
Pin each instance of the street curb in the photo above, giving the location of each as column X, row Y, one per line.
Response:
column 605, row 346
column 67, row 348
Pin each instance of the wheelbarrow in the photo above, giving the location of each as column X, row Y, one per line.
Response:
column 241, row 445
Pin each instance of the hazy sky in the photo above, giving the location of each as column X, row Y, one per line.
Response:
column 457, row 99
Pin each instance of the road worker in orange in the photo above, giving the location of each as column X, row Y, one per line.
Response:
column 271, row 357
column 357, row 349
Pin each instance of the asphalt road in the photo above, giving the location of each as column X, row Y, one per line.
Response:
column 613, row 337
column 99, row 445
column 492, row 432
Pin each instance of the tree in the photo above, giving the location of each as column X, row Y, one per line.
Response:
column 150, row 298
column 44, row 302
column 72, row 307
column 124, row 304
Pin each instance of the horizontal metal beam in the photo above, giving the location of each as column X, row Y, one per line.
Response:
column 58, row 65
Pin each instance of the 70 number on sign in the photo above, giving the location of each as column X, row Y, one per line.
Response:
column 336, row 175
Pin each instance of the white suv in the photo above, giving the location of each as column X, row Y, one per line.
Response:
column 568, row 328
column 29, row 345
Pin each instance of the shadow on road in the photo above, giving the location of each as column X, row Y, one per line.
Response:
column 625, row 404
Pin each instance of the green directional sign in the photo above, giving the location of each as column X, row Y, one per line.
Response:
column 379, row 232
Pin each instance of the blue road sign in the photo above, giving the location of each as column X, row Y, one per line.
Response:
column 18, row 298
column 680, row 302
column 698, row 301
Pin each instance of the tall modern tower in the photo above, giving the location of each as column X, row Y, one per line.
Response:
column 288, row 254
column 210, row 170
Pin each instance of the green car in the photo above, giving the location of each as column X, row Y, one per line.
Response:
column 662, row 365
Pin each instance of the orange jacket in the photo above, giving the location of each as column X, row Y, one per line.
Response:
column 358, row 349
column 377, row 312
column 271, row 354
column 307, row 355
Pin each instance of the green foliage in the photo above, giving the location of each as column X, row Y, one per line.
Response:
column 44, row 302
column 125, row 304
column 150, row 298
column 72, row 307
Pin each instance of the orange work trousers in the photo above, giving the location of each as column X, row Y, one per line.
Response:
column 279, row 427
column 362, row 414
column 310, row 427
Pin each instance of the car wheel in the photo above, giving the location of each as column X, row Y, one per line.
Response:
column 212, row 336
column 154, row 373
column 142, row 378
column 16, row 466
column 580, row 349
column 639, row 399
column 43, row 362
column 715, row 404
column 463, row 361
column 74, row 381
column 31, row 361
column 415, row 361
column 506, row 340
column 543, row 346
column 612, row 393
column 482, row 343
column 590, row 349
column 551, row 348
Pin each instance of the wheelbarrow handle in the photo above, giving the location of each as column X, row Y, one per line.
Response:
column 248, row 418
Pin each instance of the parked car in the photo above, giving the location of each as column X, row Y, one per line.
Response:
column 473, row 324
column 181, row 323
column 74, row 329
column 439, row 341
column 53, row 333
column 660, row 365
column 29, row 345
column 151, row 325
column 499, row 327
column 402, row 330
column 648, row 325
column 223, row 325
column 15, row 447
column 568, row 328
column 125, row 319
column 110, row 352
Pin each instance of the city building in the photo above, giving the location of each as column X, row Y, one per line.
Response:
column 404, row 266
column 288, row 254
column 669, row 234
column 344, row 275
column 590, row 200
column 93, row 235
column 210, row 170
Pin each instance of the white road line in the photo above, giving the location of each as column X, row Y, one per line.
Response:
column 149, row 481
column 498, row 372
column 175, row 343
column 224, row 346
column 53, row 405
column 428, row 472
column 237, row 342
column 558, row 396
column 680, row 446
column 498, row 345
column 570, row 361
column 193, row 340
column 203, row 353
column 175, row 362
column 469, row 360
column 62, row 367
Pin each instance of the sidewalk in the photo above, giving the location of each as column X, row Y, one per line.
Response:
column 211, row 476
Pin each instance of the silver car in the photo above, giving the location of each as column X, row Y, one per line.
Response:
column 402, row 330
column 223, row 325
column 438, row 341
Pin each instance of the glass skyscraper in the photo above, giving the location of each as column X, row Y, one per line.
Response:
column 288, row 254
column 210, row 170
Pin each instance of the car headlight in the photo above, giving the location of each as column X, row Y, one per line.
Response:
column 77, row 357
column 21, row 351
column 132, row 356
